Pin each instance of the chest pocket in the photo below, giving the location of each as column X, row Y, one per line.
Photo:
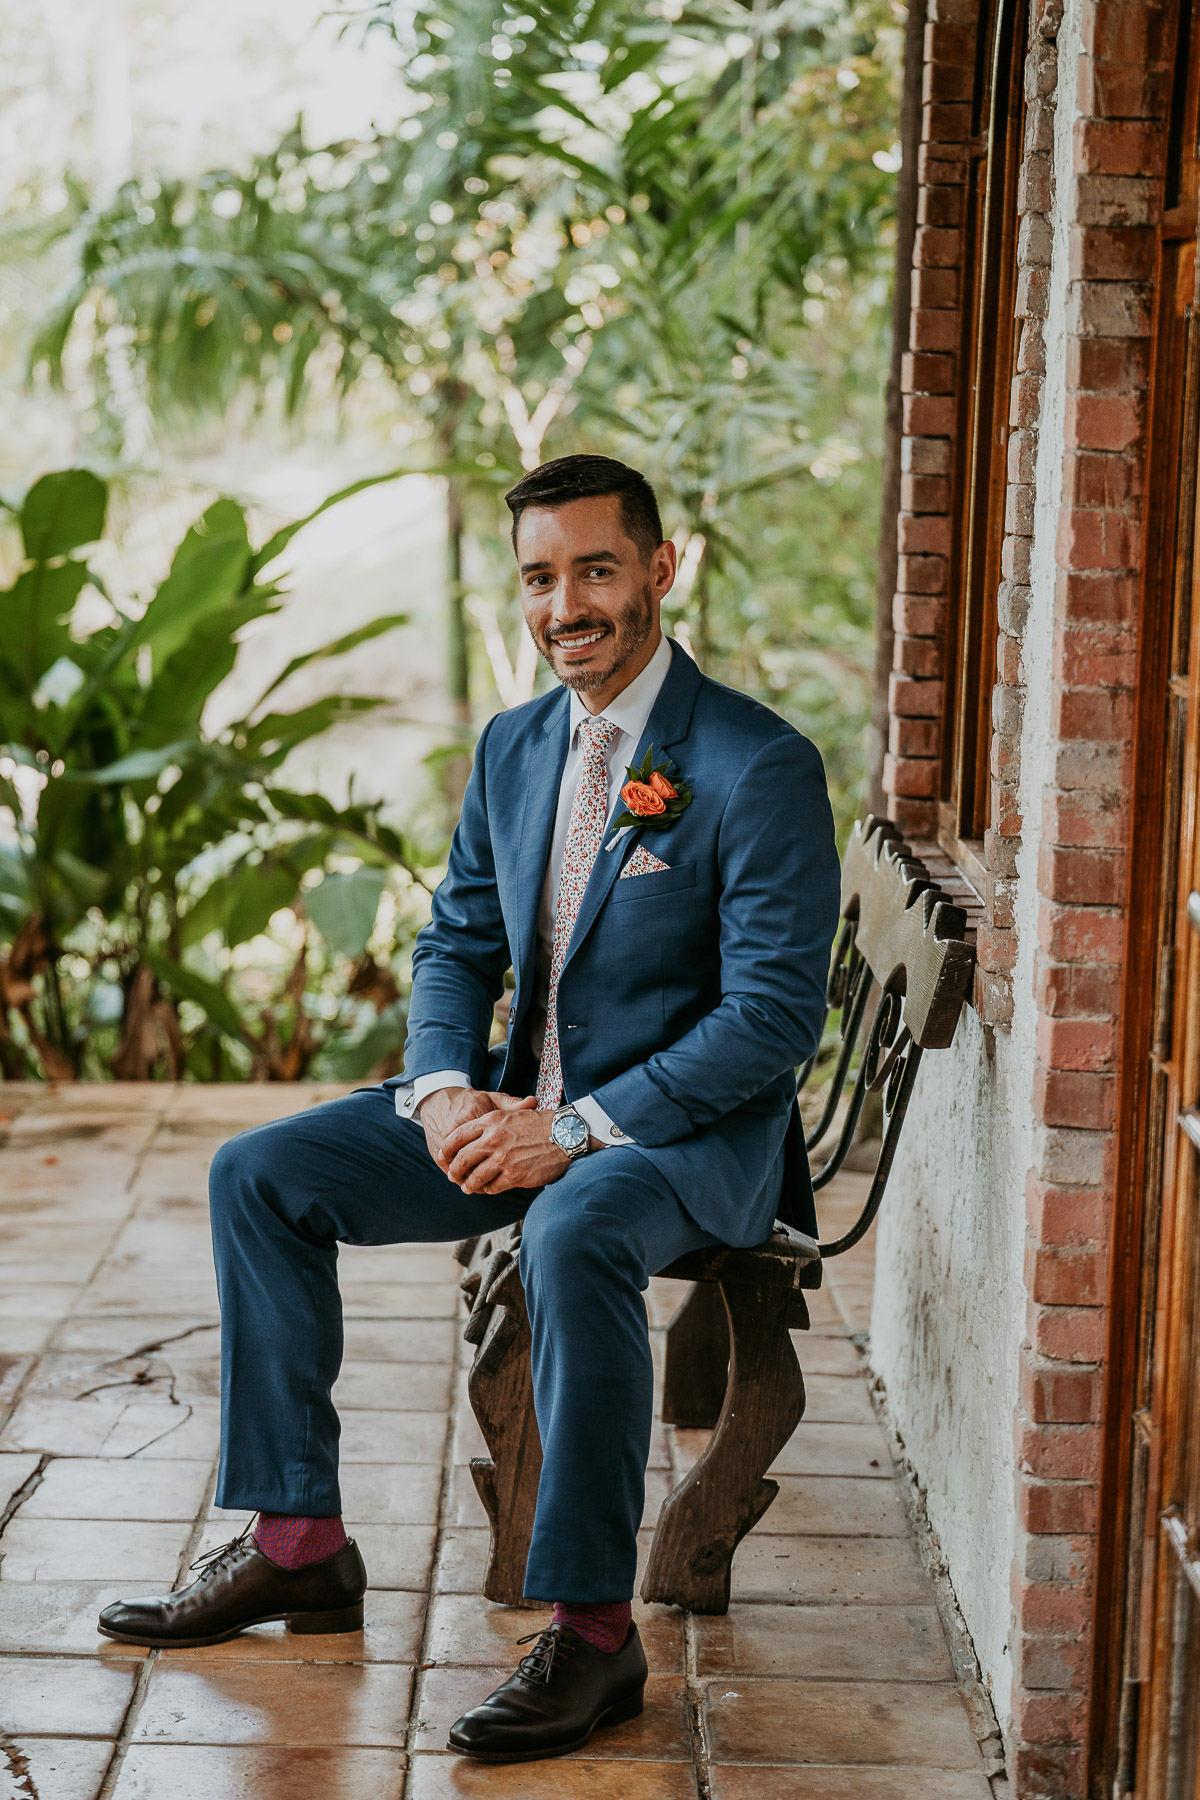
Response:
column 652, row 887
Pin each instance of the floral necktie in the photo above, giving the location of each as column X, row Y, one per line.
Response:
column 589, row 809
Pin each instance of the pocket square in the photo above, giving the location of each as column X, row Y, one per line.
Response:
column 642, row 863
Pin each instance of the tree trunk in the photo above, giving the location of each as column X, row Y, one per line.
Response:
column 136, row 1054
column 458, row 674
column 457, row 767
column 701, row 597
column 32, row 953
column 906, row 224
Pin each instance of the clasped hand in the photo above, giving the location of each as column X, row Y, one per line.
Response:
column 488, row 1143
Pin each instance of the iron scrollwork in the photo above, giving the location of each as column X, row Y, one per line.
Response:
column 903, row 943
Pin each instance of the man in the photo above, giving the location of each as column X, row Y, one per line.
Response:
column 652, row 854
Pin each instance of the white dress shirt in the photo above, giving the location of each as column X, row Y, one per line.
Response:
column 629, row 712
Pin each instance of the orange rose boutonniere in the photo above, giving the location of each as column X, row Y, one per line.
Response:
column 654, row 796
column 644, row 801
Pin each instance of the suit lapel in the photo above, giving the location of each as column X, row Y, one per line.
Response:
column 668, row 724
column 548, row 753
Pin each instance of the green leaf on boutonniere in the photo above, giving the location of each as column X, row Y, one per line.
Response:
column 655, row 793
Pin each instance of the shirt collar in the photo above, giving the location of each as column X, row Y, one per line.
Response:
column 634, row 704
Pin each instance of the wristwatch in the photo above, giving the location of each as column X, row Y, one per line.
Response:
column 570, row 1132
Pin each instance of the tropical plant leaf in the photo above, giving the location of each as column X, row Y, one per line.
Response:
column 34, row 632
column 344, row 906
column 186, row 984
column 211, row 576
column 139, row 765
column 180, row 690
column 15, row 894
column 224, row 519
column 263, row 891
column 353, row 1058
column 240, row 905
column 86, row 883
column 62, row 512
column 279, row 540
column 314, row 807
column 363, row 635
column 102, row 838
column 272, row 737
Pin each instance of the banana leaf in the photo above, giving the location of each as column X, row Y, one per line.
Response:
column 343, row 907
column 62, row 512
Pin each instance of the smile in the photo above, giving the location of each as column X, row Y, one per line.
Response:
column 579, row 643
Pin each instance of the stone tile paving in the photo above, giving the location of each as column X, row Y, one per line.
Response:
column 829, row 1679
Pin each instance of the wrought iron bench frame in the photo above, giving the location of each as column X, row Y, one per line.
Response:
column 730, row 1362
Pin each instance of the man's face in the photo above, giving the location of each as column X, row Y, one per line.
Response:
column 591, row 601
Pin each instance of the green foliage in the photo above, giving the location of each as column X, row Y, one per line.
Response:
column 142, row 846
column 660, row 231
column 63, row 512
column 186, row 984
column 344, row 908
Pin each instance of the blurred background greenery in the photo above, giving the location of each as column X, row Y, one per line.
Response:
column 233, row 730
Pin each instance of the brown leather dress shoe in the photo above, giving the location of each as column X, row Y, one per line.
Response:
column 238, row 1586
column 556, row 1698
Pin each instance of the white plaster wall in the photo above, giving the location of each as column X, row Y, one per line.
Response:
column 949, row 1312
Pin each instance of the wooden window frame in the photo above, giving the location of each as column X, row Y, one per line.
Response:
column 989, row 335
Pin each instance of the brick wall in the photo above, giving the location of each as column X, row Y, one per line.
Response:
column 1118, row 95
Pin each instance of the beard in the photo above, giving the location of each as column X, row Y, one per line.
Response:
column 630, row 630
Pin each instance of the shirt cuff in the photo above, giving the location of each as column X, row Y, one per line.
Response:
column 610, row 1136
column 408, row 1099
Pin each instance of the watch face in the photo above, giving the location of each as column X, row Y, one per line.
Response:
column 570, row 1132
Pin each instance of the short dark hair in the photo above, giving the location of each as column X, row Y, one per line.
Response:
column 589, row 477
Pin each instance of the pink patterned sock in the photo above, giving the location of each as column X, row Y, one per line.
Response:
column 604, row 1624
column 293, row 1543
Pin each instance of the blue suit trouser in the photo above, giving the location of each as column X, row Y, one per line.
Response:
column 284, row 1195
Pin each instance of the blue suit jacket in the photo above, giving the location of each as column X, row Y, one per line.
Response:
column 688, row 996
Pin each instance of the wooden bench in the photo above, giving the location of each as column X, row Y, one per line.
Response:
column 901, row 969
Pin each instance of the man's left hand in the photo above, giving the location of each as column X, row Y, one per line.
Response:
column 509, row 1148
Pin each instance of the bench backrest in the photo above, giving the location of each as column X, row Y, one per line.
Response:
column 902, row 968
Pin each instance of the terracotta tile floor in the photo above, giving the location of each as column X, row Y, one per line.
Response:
column 829, row 1679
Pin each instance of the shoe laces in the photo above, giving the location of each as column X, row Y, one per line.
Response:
column 550, row 1644
column 211, row 1560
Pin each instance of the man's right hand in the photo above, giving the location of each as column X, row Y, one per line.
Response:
column 444, row 1111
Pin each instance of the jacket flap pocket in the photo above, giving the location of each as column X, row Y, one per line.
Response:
column 650, row 887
